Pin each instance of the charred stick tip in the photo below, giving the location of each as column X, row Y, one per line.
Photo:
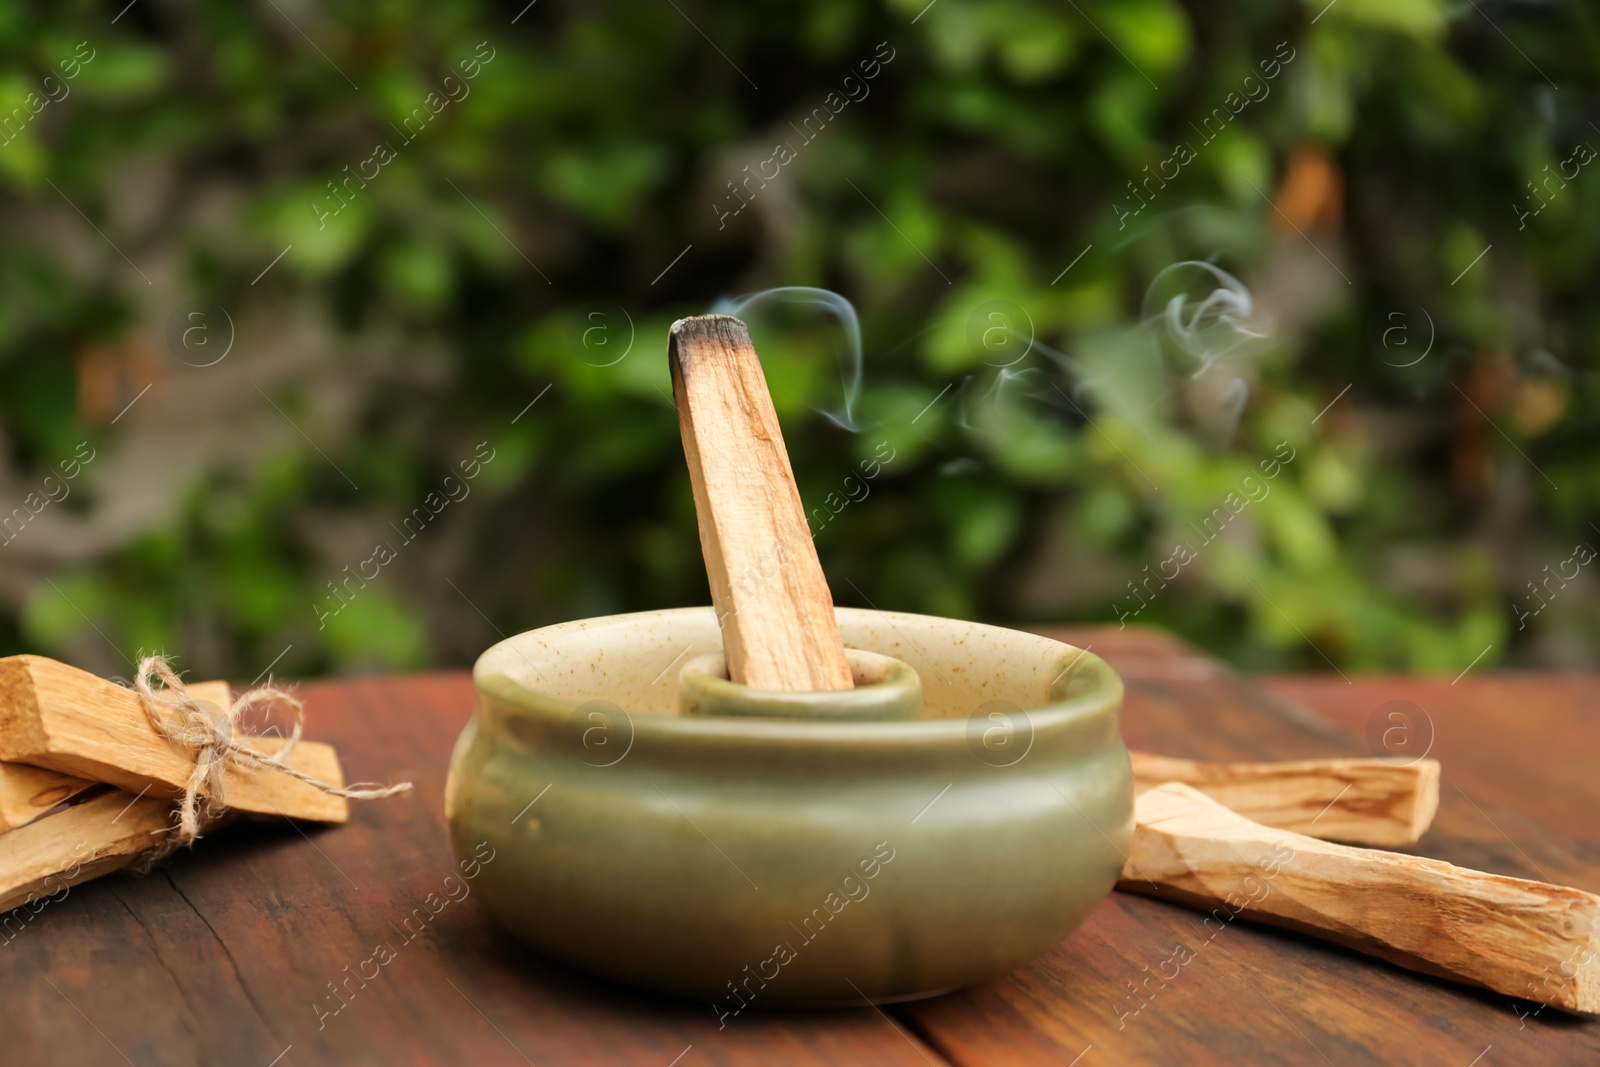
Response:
column 699, row 336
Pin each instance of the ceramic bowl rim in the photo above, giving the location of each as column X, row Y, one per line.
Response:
column 1102, row 699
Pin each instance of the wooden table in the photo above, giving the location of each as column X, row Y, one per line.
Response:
column 223, row 956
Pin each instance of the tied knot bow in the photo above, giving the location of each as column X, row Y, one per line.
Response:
column 211, row 733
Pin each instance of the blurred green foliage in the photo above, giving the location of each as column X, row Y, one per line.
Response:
column 526, row 238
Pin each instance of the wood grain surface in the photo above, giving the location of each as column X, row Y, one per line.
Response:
column 224, row 955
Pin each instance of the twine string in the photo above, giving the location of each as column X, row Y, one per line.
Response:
column 212, row 734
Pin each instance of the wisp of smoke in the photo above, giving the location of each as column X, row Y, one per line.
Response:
column 850, row 369
column 1207, row 328
column 1209, row 315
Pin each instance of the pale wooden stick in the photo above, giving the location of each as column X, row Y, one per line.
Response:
column 66, row 720
column 1526, row 939
column 1359, row 801
column 772, row 600
column 98, row 836
column 27, row 792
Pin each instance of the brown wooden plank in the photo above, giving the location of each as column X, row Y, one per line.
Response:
column 220, row 956
column 1255, row 995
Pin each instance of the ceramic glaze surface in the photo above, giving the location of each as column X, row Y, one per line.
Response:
column 760, row 862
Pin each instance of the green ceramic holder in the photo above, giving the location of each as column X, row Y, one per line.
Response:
column 753, row 853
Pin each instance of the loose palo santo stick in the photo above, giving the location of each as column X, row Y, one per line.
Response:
column 772, row 600
column 63, row 719
column 1526, row 939
column 1359, row 801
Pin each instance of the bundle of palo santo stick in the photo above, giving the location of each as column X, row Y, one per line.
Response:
column 95, row 777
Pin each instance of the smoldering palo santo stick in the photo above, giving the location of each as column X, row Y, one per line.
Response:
column 772, row 600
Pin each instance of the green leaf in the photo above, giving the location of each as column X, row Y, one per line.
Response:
column 1153, row 35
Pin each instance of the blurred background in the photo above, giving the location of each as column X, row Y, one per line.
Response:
column 332, row 335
